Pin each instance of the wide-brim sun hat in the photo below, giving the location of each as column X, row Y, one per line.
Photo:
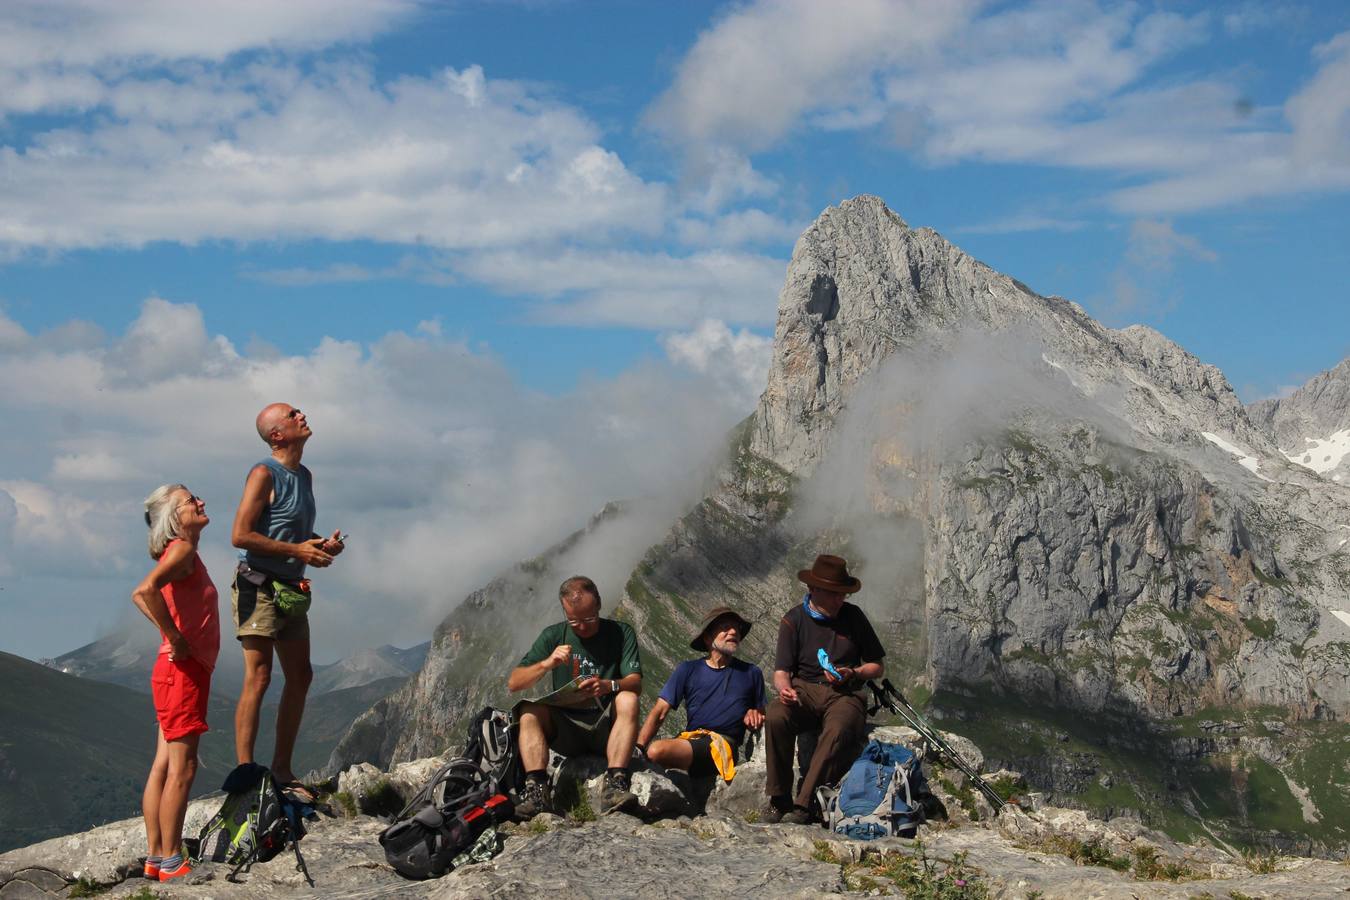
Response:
column 713, row 615
column 830, row 573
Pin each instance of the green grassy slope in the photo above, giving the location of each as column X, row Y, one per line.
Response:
column 74, row 752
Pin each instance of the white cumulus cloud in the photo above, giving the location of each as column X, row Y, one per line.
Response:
column 443, row 468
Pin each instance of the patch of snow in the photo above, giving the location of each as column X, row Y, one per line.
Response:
column 1342, row 615
column 1323, row 454
column 1245, row 459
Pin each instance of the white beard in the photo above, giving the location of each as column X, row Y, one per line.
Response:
column 725, row 649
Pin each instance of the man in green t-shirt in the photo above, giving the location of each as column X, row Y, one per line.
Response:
column 598, row 659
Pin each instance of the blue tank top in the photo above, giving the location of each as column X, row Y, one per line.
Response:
column 289, row 517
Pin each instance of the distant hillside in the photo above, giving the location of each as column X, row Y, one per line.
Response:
column 75, row 752
column 126, row 658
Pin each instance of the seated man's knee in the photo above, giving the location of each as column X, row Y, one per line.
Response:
column 776, row 712
column 534, row 714
column 626, row 704
column 660, row 752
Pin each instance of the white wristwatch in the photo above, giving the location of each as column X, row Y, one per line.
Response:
column 613, row 687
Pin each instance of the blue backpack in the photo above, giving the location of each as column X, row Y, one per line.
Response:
column 878, row 796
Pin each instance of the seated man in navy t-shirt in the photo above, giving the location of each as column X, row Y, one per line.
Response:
column 722, row 695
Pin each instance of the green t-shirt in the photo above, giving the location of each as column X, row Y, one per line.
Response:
column 611, row 653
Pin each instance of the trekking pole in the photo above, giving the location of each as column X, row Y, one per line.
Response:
column 890, row 697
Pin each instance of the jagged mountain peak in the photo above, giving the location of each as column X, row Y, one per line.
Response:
column 1312, row 425
column 862, row 286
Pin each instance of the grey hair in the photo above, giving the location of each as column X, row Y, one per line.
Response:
column 162, row 517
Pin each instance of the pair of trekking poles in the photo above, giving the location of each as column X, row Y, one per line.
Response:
column 889, row 697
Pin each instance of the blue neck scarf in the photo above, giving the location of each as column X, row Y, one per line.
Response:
column 818, row 616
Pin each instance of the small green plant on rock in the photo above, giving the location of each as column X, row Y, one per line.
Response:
column 86, row 887
column 1148, row 867
column 144, row 894
column 1261, row 863
column 381, row 799
column 917, row 877
column 823, row 852
column 346, row 803
column 581, row 811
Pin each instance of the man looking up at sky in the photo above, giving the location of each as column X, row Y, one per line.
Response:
column 274, row 531
column 601, row 655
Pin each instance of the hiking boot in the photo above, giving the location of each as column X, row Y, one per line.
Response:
column 535, row 797
column 798, row 815
column 772, row 811
column 615, row 796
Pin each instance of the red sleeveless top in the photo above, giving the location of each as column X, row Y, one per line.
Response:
column 194, row 606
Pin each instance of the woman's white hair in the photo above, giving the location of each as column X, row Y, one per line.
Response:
column 162, row 517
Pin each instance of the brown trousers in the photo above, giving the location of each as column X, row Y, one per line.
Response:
column 842, row 720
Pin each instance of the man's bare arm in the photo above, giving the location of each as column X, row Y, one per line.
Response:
column 655, row 719
column 523, row 677
column 865, row 672
column 257, row 491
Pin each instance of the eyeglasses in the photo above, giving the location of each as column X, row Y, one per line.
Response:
column 293, row 414
column 586, row 621
column 194, row 500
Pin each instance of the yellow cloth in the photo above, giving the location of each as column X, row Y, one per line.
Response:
column 720, row 748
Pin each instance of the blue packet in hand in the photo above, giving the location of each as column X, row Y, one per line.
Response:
column 826, row 664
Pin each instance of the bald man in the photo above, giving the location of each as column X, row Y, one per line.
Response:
column 274, row 531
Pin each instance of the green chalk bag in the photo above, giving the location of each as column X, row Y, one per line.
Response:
column 289, row 599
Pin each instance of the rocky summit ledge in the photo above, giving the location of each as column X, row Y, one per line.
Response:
column 1021, row 853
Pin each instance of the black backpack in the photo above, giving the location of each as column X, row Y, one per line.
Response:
column 492, row 745
column 445, row 818
column 255, row 823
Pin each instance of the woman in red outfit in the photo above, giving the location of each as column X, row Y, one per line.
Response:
column 179, row 598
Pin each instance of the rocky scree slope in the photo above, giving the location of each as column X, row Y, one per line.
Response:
column 1072, row 538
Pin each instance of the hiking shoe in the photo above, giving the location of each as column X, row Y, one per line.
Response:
column 535, row 797
column 798, row 816
column 615, row 796
column 772, row 811
column 182, row 871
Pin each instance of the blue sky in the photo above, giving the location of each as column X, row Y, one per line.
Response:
column 488, row 224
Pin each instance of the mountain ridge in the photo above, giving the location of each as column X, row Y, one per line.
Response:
column 1041, row 509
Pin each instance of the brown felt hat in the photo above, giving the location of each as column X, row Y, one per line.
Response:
column 830, row 573
column 713, row 615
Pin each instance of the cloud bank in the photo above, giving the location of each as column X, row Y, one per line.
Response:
column 443, row 468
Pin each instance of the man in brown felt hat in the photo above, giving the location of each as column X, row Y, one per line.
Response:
column 810, row 696
column 723, row 696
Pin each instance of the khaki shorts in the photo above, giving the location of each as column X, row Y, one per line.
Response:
column 255, row 615
column 580, row 733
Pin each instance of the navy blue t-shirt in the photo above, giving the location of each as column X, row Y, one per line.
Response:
column 716, row 699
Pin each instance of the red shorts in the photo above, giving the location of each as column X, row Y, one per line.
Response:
column 181, row 690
